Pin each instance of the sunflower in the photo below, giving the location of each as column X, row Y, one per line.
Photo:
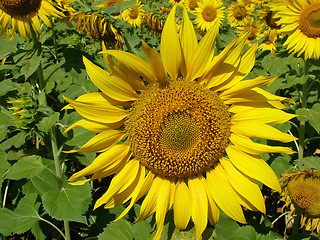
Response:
column 109, row 3
column 238, row 13
column 301, row 194
column 190, row 5
column 252, row 27
column 178, row 2
column 300, row 20
column 209, row 13
column 270, row 43
column 182, row 136
column 134, row 15
column 20, row 13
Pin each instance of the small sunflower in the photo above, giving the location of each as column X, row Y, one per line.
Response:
column 238, row 13
column 301, row 21
column 178, row 129
column 177, row 2
column 270, row 43
column 134, row 15
column 252, row 27
column 22, row 13
column 209, row 13
column 190, row 5
column 109, row 3
column 301, row 192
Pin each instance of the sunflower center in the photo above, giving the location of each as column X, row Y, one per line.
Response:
column 193, row 4
column 239, row 13
column 305, row 194
column 179, row 130
column 19, row 7
column 134, row 12
column 309, row 22
column 209, row 13
column 271, row 21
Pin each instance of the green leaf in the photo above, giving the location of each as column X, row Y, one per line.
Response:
column 4, row 164
column 7, row 86
column 120, row 230
column 271, row 236
column 25, row 168
column 281, row 164
column 47, row 122
column 313, row 115
column 309, row 162
column 244, row 233
column 17, row 140
column 142, row 230
column 68, row 203
column 30, row 63
column 225, row 226
column 22, row 218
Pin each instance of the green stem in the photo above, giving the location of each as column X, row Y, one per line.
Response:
column 67, row 230
column 56, row 153
column 54, row 37
column 54, row 226
column 296, row 224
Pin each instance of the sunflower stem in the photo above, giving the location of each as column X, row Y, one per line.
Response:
column 296, row 224
column 54, row 37
column 54, row 226
column 67, row 230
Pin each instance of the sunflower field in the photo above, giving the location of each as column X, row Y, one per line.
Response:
column 164, row 119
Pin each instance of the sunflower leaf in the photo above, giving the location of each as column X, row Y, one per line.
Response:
column 120, row 230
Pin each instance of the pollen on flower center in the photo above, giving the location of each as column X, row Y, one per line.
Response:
column 309, row 23
column 209, row 13
column 239, row 13
column 21, row 7
column 179, row 130
column 305, row 193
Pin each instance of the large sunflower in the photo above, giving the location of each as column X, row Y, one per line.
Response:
column 209, row 14
column 301, row 21
column 20, row 13
column 185, row 141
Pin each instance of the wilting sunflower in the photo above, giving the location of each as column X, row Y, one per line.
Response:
column 209, row 14
column 182, row 136
column 98, row 28
column 20, row 13
column 238, row 13
column 301, row 193
column 134, row 15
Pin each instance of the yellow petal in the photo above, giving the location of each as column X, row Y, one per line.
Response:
column 106, row 159
column 35, row 22
column 244, row 86
column 181, row 205
column 93, row 126
column 155, row 62
column 163, row 204
column 98, row 112
column 111, row 85
column 171, row 53
column 254, row 167
column 244, row 185
column 188, row 40
column 121, row 181
column 139, row 191
column 240, row 107
column 213, row 209
column 263, row 115
column 148, row 205
column 223, row 194
column 254, row 129
column 203, row 54
column 101, row 141
column 199, row 204
column 248, row 146
column 134, row 63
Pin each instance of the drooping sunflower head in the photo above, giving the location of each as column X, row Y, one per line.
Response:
column 303, row 191
column 238, row 13
column 267, row 18
column 182, row 137
column 134, row 15
column 302, row 21
column 210, row 13
column 22, row 13
column 98, row 28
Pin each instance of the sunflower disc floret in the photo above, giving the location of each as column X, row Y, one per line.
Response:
column 179, row 130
